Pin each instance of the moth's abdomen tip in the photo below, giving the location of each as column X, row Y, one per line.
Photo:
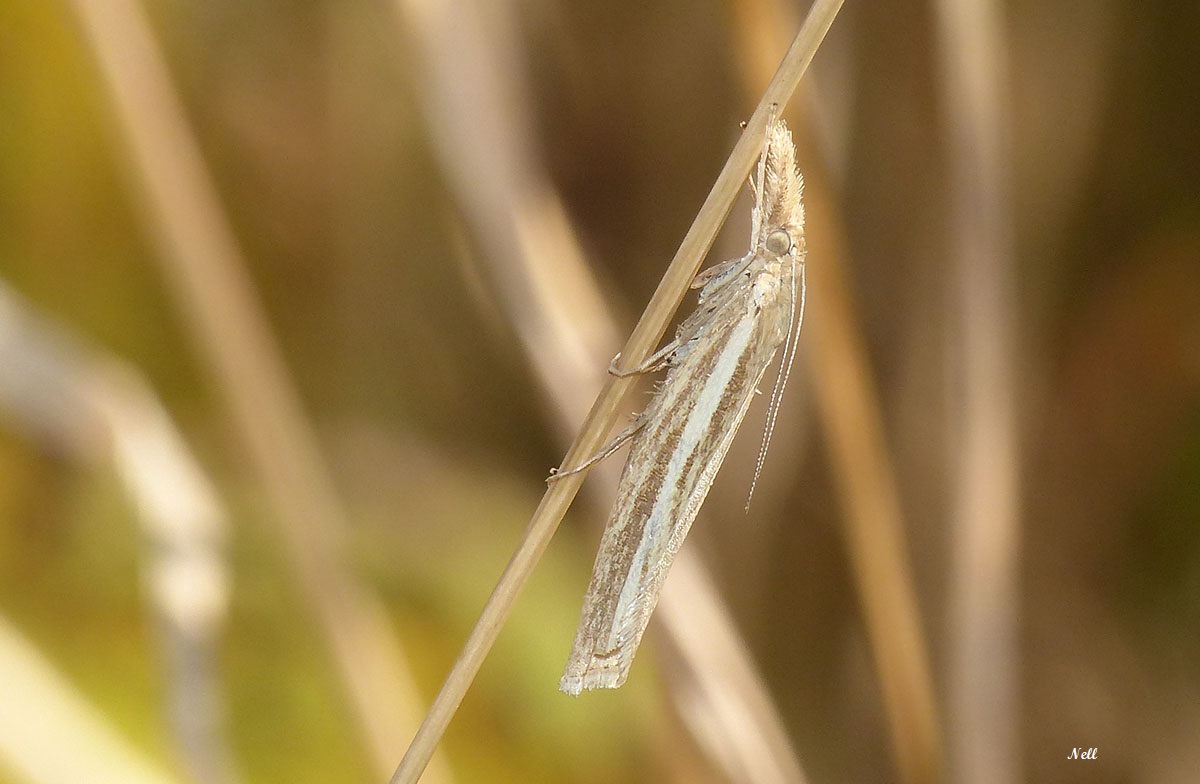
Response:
column 575, row 684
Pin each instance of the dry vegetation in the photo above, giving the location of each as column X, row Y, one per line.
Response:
column 300, row 301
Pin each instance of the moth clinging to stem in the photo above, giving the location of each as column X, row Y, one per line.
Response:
column 748, row 308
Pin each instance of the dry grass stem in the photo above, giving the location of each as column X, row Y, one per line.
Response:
column 545, row 284
column 603, row 414
column 721, row 696
column 984, row 583
column 853, row 420
column 206, row 272
column 866, row 484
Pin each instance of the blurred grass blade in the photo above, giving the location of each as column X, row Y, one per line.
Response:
column 50, row 734
column 720, row 694
column 984, row 591
column 207, row 273
column 849, row 409
column 74, row 399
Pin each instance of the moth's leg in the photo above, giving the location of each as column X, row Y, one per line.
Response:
column 655, row 362
column 704, row 276
column 717, row 272
column 605, row 451
column 683, row 337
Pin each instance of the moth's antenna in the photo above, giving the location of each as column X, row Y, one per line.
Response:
column 785, row 371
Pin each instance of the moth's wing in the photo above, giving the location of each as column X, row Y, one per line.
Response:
column 600, row 658
column 722, row 291
column 604, row 647
column 711, row 280
column 649, row 522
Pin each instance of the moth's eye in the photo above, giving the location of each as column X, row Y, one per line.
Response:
column 778, row 242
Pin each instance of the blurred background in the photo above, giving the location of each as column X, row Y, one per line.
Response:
column 300, row 301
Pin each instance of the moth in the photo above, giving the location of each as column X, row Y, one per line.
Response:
column 748, row 309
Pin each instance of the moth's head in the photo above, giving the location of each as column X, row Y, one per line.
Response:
column 782, row 209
